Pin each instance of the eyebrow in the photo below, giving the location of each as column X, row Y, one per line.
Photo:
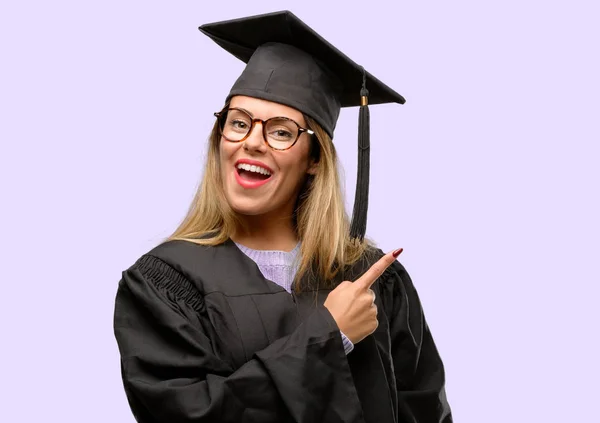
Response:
column 286, row 117
column 247, row 111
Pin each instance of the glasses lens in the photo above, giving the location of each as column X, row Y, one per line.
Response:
column 235, row 125
column 281, row 133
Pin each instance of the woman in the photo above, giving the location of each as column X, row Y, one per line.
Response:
column 265, row 305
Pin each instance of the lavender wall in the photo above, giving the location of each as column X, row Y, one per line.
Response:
column 488, row 177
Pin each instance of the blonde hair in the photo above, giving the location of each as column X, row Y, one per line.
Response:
column 322, row 224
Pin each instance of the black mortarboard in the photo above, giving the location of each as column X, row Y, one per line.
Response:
column 289, row 63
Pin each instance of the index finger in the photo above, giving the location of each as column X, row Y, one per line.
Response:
column 376, row 270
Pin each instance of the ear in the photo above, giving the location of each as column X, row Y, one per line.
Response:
column 313, row 166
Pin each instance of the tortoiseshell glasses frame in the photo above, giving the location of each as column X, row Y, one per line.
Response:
column 285, row 131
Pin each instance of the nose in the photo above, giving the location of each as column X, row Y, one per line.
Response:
column 255, row 140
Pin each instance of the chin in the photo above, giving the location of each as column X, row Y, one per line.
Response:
column 248, row 208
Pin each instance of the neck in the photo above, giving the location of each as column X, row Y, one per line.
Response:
column 266, row 233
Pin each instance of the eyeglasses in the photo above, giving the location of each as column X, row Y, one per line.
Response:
column 280, row 133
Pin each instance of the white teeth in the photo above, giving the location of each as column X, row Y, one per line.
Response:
column 253, row 168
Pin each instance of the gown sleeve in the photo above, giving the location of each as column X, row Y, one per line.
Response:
column 419, row 371
column 172, row 374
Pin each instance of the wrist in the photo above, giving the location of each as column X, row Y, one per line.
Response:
column 348, row 344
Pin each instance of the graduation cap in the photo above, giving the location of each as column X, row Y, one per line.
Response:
column 289, row 63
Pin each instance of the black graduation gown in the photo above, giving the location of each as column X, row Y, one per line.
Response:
column 204, row 337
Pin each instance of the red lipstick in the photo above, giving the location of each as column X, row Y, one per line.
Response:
column 251, row 183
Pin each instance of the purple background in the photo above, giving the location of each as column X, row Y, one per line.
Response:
column 488, row 177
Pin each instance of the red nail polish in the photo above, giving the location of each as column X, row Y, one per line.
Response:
column 397, row 252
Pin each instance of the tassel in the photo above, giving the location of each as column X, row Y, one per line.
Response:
column 358, row 226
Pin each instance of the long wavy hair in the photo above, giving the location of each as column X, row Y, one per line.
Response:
column 320, row 219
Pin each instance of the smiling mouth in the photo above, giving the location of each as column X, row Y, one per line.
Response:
column 252, row 173
column 252, row 176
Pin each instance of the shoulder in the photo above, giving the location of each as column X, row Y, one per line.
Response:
column 177, row 252
column 167, row 259
column 218, row 268
column 177, row 261
column 158, row 273
column 162, row 279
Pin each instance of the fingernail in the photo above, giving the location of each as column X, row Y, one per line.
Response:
column 397, row 252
